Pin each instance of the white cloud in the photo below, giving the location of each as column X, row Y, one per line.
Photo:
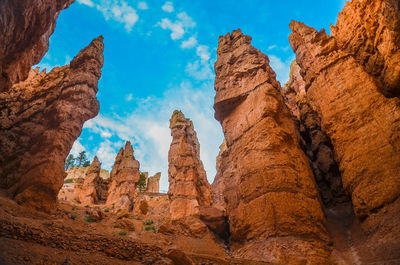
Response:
column 147, row 128
column 200, row 70
column 176, row 28
column 189, row 43
column 203, row 53
column 281, row 68
column 168, row 7
column 117, row 10
column 143, row 5
column 86, row 2
column 77, row 147
column 129, row 97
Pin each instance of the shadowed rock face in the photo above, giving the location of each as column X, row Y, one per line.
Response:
column 370, row 31
column 315, row 143
column 364, row 127
column 188, row 185
column 25, row 29
column 40, row 119
column 124, row 178
column 271, row 198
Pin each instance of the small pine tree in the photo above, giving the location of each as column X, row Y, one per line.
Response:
column 70, row 162
column 142, row 182
column 81, row 159
column 86, row 163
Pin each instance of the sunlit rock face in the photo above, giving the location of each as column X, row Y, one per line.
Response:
column 370, row 31
column 344, row 87
column 40, row 119
column 153, row 183
column 188, row 185
column 25, row 29
column 124, row 178
column 271, row 198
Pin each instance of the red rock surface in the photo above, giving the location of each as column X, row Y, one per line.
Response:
column 188, row 185
column 124, row 178
column 364, row 127
column 370, row 31
column 153, row 183
column 25, row 29
column 40, row 120
column 89, row 192
column 272, row 201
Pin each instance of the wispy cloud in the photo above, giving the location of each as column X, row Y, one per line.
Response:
column 178, row 27
column 143, row 5
column 168, row 7
column 189, row 43
column 147, row 128
column 116, row 10
column 281, row 67
column 77, row 147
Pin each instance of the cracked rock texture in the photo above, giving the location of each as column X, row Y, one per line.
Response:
column 25, row 29
column 362, row 123
column 188, row 185
column 271, row 197
column 89, row 193
column 369, row 30
column 153, row 183
column 40, row 119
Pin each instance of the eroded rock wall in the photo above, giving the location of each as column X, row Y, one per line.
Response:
column 124, row 178
column 153, row 183
column 188, row 185
column 40, row 119
column 370, row 31
column 364, row 127
column 25, row 29
column 271, row 198
column 90, row 190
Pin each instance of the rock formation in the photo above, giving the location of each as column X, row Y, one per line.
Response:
column 89, row 192
column 370, row 31
column 153, row 183
column 315, row 143
column 188, row 185
column 25, row 29
column 272, row 201
column 40, row 119
column 124, row 178
column 363, row 124
column 80, row 172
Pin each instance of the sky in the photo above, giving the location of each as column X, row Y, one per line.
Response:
column 159, row 56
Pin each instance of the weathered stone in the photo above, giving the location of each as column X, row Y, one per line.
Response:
column 124, row 178
column 188, row 185
column 270, row 192
column 40, row 119
column 89, row 192
column 370, row 31
column 153, row 183
column 25, row 29
column 315, row 143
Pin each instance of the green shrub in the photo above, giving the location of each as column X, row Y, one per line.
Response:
column 86, row 206
column 148, row 222
column 122, row 233
column 152, row 228
column 69, row 181
column 73, row 216
column 106, row 210
column 89, row 219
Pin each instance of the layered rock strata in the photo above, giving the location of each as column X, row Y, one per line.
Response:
column 40, row 119
column 272, row 200
column 153, row 183
column 124, row 178
column 25, row 29
column 363, row 124
column 188, row 185
column 370, row 31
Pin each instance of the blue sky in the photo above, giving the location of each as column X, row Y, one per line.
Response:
column 159, row 56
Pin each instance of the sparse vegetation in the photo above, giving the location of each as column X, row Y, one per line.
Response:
column 86, row 206
column 142, row 182
column 150, row 228
column 74, row 208
column 89, row 219
column 106, row 210
column 73, row 216
column 69, row 181
column 148, row 222
column 80, row 161
column 122, row 233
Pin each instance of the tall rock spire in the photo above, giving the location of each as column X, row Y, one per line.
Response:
column 188, row 185
column 270, row 194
